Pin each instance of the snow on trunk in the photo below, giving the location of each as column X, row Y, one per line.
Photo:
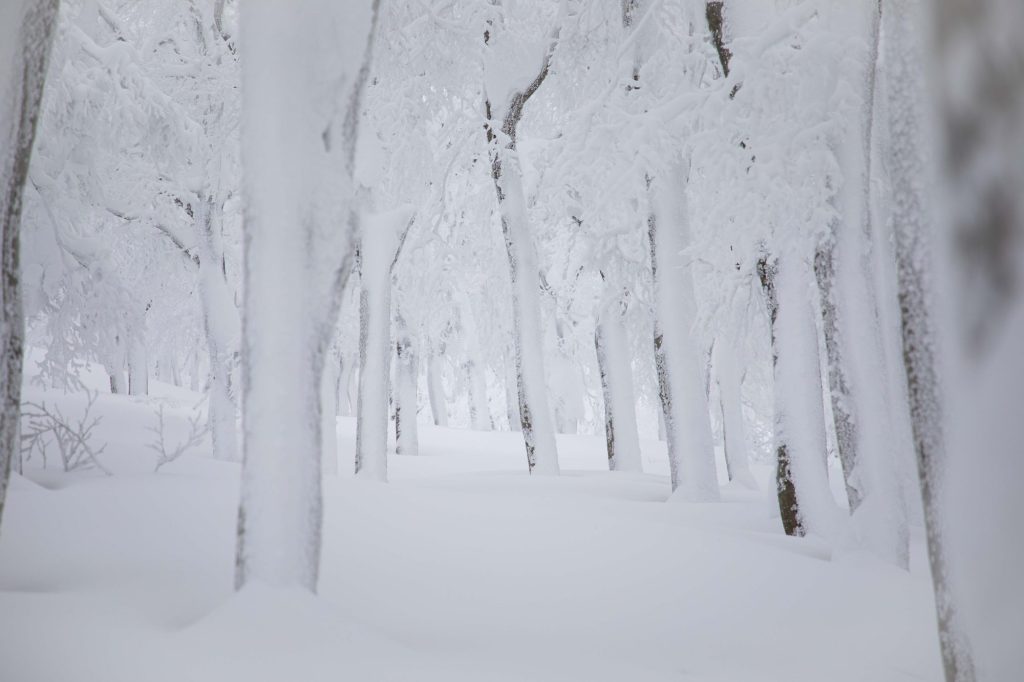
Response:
column 616, row 369
column 799, row 407
column 528, row 335
column 908, row 165
column 435, row 389
column 883, row 266
column 221, row 324
column 479, row 411
column 564, row 379
column 297, row 59
column 511, row 397
column 678, row 353
column 138, row 365
column 26, row 29
column 117, row 382
column 329, row 417
column 344, row 387
column 473, row 367
column 378, row 246
column 969, row 251
column 406, row 399
column 789, row 510
column 980, row 60
column 504, row 103
column 880, row 518
column 844, row 416
column 734, row 435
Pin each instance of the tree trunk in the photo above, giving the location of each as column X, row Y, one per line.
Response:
column 805, row 502
column 535, row 415
column 329, row 416
column 566, row 385
column 138, row 368
column 293, row 276
column 789, row 504
column 838, row 385
column 175, row 370
column 734, row 437
column 684, row 402
column 978, row 58
column 435, row 390
column 511, row 398
column 911, row 218
column 117, row 382
column 222, row 418
column 406, row 375
column 714, row 12
column 374, row 366
column 800, row 410
column 479, row 411
column 878, row 507
column 221, row 324
column 534, row 412
column 473, row 367
column 19, row 113
column 193, row 379
column 613, row 361
column 344, row 387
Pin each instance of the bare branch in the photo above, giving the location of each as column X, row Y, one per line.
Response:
column 197, row 430
column 43, row 425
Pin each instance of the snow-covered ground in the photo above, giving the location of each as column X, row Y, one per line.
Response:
column 463, row 567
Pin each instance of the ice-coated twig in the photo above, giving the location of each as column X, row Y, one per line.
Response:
column 197, row 430
column 42, row 424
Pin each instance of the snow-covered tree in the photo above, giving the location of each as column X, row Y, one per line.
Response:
column 27, row 32
column 908, row 159
column 304, row 68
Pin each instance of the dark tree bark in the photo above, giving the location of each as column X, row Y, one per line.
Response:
column 915, row 269
column 614, row 366
column 713, row 12
column 375, row 277
column 838, row 385
column 789, row 505
column 534, row 413
column 406, row 373
column 978, row 57
column 21, row 114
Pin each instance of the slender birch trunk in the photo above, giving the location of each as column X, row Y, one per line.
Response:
column 329, row 416
column 19, row 114
column 734, row 437
column 613, row 361
column 799, row 406
column 908, row 165
column 435, row 389
column 801, row 476
column 374, row 368
column 406, row 375
column 293, row 287
column 380, row 247
column 118, row 385
column 138, row 366
column 678, row 354
column 842, row 401
column 534, row 411
column 978, row 58
column 512, row 397
column 879, row 515
column 474, row 368
column 220, row 322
